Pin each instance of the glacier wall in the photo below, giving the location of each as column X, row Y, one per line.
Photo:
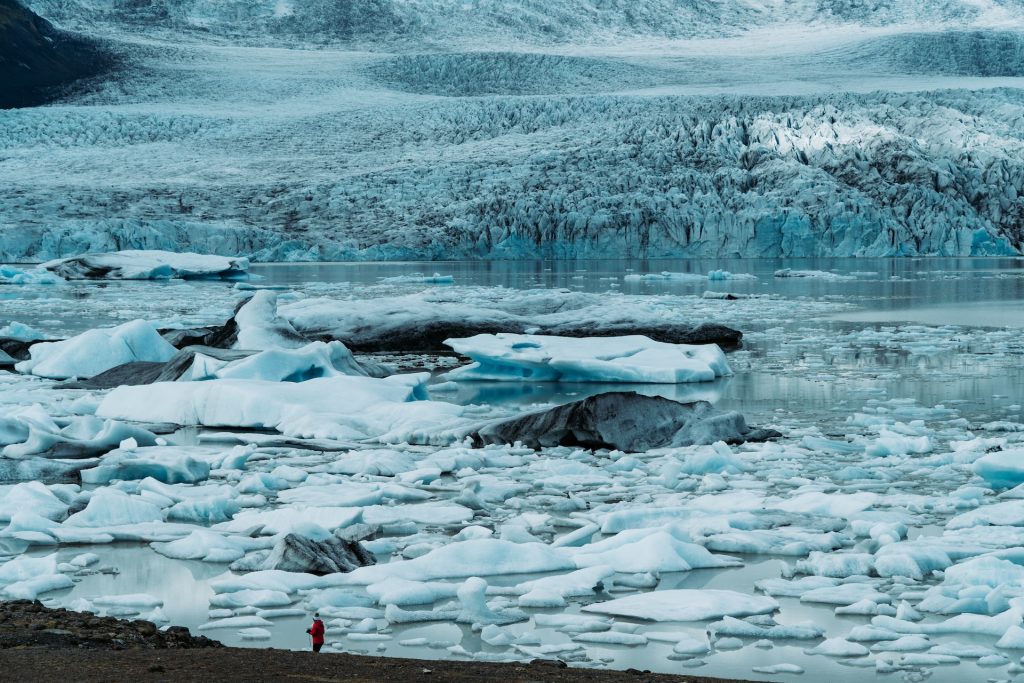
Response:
column 853, row 134
column 874, row 175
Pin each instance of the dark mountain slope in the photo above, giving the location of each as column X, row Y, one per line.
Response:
column 37, row 61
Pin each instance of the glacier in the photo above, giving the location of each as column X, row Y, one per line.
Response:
column 309, row 131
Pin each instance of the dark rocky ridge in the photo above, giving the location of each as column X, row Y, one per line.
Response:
column 430, row 337
column 624, row 421
column 25, row 623
column 37, row 60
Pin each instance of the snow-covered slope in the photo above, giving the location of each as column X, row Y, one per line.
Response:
column 509, row 129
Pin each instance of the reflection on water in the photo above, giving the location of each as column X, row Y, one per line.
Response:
column 184, row 586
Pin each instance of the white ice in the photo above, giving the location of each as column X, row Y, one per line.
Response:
column 541, row 358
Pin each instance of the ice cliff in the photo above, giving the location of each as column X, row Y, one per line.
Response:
column 702, row 129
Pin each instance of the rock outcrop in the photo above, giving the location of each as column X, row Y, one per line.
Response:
column 297, row 553
column 624, row 421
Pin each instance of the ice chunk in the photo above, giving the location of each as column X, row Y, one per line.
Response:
column 1001, row 469
column 110, row 507
column 643, row 550
column 540, row 358
column 162, row 463
column 251, row 598
column 82, row 437
column 21, row 332
column 30, row 589
column 845, row 594
column 1008, row 513
column 838, row 647
column 141, row 600
column 480, row 557
column 9, row 275
column 96, row 351
column 686, row 605
column 235, row 622
column 282, row 365
column 402, row 592
column 32, row 496
column 260, row 328
column 204, row 545
column 818, row 274
column 730, row 626
column 385, row 410
column 147, row 265
column 776, row 669
column 830, row 504
column 254, row 634
column 612, row 638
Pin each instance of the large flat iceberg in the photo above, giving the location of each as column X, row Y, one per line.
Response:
column 541, row 358
column 150, row 264
column 340, row 407
column 686, row 605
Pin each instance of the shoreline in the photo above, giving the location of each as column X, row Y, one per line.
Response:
column 39, row 643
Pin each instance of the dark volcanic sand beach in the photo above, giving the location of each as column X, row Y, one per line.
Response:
column 37, row 643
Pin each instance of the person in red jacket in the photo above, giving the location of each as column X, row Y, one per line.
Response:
column 317, row 632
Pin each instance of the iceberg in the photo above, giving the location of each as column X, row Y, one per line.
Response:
column 261, row 328
column 541, row 358
column 96, row 351
column 314, row 360
column 686, row 604
column 138, row 264
column 344, row 408
column 1002, row 469
column 9, row 275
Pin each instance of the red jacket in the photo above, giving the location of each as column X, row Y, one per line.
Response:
column 317, row 631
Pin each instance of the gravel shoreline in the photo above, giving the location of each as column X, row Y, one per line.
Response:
column 38, row 643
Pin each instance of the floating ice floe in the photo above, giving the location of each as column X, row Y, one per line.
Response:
column 29, row 433
column 419, row 278
column 96, row 351
column 21, row 332
column 714, row 275
column 541, row 358
column 818, row 274
column 1002, row 469
column 148, row 265
column 342, row 407
column 686, row 605
column 165, row 464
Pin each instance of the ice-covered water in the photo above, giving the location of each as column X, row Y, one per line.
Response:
column 885, row 390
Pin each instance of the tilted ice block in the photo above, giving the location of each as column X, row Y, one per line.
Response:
column 260, row 328
column 541, row 358
column 311, row 361
column 96, row 351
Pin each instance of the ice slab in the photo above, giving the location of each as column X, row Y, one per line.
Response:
column 341, row 407
column 136, row 264
column 542, row 358
column 686, row 605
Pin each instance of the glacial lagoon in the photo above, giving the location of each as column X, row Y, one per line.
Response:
column 903, row 358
